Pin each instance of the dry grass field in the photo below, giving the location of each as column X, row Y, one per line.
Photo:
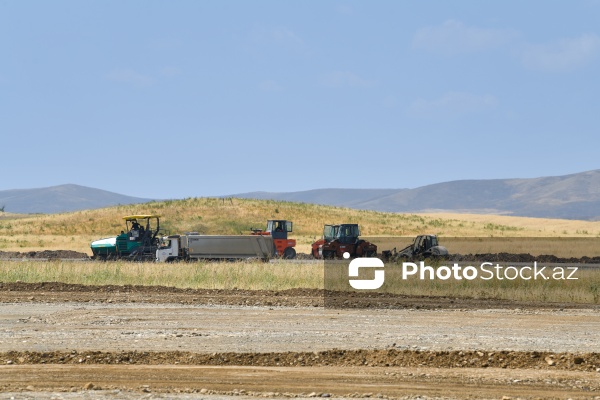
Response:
column 281, row 275
column 76, row 230
column 461, row 234
column 197, row 275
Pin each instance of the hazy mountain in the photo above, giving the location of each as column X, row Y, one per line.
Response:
column 575, row 196
column 61, row 198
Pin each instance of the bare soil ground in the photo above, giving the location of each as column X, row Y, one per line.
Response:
column 74, row 341
column 44, row 255
column 489, row 257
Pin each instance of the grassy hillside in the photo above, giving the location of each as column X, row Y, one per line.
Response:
column 75, row 231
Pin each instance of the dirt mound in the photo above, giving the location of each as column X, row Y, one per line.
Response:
column 339, row 358
column 44, row 255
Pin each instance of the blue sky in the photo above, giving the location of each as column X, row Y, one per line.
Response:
column 173, row 99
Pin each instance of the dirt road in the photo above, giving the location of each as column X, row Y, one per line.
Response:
column 69, row 341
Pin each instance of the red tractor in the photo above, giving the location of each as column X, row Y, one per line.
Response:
column 279, row 230
column 340, row 239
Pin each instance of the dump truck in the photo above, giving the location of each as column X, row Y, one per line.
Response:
column 192, row 246
column 279, row 230
column 422, row 246
column 340, row 239
column 138, row 242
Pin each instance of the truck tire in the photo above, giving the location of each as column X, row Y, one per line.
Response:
column 289, row 253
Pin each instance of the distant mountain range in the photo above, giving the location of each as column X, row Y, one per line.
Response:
column 575, row 196
column 63, row 198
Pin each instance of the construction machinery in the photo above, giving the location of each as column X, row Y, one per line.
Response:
column 138, row 242
column 424, row 246
column 340, row 239
column 192, row 246
column 278, row 230
column 143, row 240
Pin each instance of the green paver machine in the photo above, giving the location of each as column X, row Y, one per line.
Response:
column 138, row 242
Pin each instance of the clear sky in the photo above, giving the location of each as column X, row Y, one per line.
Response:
column 174, row 99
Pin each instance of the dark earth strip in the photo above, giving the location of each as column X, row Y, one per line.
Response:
column 339, row 358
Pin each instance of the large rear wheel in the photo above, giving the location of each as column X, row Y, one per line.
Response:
column 289, row 253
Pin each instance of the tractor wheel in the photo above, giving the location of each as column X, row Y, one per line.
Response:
column 328, row 255
column 289, row 253
column 359, row 249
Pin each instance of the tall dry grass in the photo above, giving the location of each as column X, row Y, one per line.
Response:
column 281, row 276
column 553, row 287
column 205, row 275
